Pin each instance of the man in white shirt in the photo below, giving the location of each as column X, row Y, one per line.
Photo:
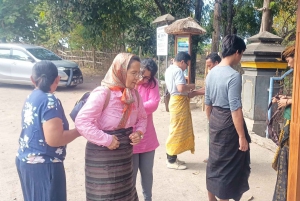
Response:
column 181, row 135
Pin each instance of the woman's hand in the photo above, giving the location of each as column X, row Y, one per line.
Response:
column 191, row 86
column 282, row 102
column 135, row 138
column 275, row 100
column 114, row 143
column 55, row 135
column 243, row 144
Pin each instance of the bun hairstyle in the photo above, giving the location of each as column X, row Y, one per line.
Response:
column 43, row 74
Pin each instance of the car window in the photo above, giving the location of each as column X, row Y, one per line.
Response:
column 19, row 55
column 43, row 54
column 5, row 53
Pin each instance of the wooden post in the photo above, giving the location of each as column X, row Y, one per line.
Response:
column 140, row 51
column 204, row 78
column 175, row 49
column 94, row 57
column 189, row 67
column 293, row 193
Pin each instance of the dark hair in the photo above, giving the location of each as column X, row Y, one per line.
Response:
column 43, row 74
column 214, row 57
column 288, row 52
column 182, row 56
column 151, row 66
column 231, row 44
column 132, row 59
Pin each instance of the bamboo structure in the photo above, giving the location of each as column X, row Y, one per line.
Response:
column 86, row 58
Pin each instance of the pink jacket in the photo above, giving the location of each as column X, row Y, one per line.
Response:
column 91, row 120
column 151, row 100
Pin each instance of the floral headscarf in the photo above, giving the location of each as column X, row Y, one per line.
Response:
column 115, row 80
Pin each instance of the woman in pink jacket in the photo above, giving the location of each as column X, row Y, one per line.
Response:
column 143, row 153
column 109, row 131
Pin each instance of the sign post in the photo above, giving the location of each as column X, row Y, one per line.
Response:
column 162, row 46
column 183, row 44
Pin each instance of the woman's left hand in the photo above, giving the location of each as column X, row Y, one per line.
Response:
column 135, row 138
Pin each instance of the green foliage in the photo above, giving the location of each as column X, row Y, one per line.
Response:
column 246, row 19
column 29, row 22
column 284, row 21
column 104, row 22
column 48, row 33
column 118, row 24
column 17, row 20
column 142, row 33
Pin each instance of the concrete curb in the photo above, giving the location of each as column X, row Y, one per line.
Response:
column 261, row 141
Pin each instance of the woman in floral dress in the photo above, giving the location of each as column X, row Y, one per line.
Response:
column 45, row 133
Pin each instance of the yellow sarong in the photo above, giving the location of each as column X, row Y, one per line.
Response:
column 181, row 134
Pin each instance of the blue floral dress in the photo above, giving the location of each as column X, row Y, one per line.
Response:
column 40, row 107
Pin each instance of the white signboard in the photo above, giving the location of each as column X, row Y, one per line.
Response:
column 162, row 41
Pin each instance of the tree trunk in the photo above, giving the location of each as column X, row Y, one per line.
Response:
column 229, row 16
column 267, row 19
column 140, row 51
column 196, row 40
column 160, row 7
column 216, row 27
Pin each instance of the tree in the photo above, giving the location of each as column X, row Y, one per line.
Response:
column 246, row 19
column 48, row 33
column 229, row 17
column 182, row 9
column 284, row 20
column 267, row 18
column 17, row 20
column 104, row 21
column 177, row 8
column 142, row 34
column 196, row 39
column 216, row 26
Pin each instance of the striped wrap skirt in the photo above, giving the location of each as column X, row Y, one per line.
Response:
column 108, row 173
column 228, row 168
column 181, row 134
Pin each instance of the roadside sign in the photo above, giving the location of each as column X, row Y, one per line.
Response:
column 162, row 41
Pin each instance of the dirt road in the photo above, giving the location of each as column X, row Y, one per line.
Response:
column 169, row 185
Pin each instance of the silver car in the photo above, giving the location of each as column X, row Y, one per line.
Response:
column 17, row 60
